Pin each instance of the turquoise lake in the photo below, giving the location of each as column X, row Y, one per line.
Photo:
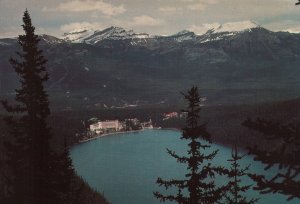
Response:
column 124, row 167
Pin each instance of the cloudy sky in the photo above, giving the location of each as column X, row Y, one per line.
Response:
column 56, row 17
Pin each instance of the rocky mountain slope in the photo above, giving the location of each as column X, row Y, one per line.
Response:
column 114, row 68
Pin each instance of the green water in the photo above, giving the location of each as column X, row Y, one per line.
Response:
column 124, row 167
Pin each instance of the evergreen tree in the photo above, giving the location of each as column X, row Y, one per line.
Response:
column 236, row 191
column 283, row 155
column 4, row 176
column 65, row 176
column 199, row 181
column 30, row 159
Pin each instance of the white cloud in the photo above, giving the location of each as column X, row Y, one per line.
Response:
column 89, row 5
column 145, row 20
column 190, row 5
column 187, row 0
column 175, row 14
column 170, row 9
column 81, row 25
column 199, row 5
column 211, row 1
column 196, row 7
column 201, row 1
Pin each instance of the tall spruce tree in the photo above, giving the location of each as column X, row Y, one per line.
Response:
column 284, row 155
column 31, row 161
column 65, row 176
column 235, row 193
column 200, row 179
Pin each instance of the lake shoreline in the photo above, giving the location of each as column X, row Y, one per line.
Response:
column 107, row 134
column 155, row 128
column 124, row 132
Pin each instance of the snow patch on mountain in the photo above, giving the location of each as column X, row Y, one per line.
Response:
column 236, row 26
column 90, row 36
column 227, row 30
column 78, row 35
column 50, row 39
column 114, row 33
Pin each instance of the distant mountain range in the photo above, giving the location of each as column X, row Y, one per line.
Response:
column 90, row 36
column 115, row 68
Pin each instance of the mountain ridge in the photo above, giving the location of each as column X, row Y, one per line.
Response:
column 254, row 65
column 94, row 36
column 91, row 36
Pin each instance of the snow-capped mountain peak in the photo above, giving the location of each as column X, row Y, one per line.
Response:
column 91, row 36
column 235, row 26
column 227, row 30
column 50, row 39
column 78, row 35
